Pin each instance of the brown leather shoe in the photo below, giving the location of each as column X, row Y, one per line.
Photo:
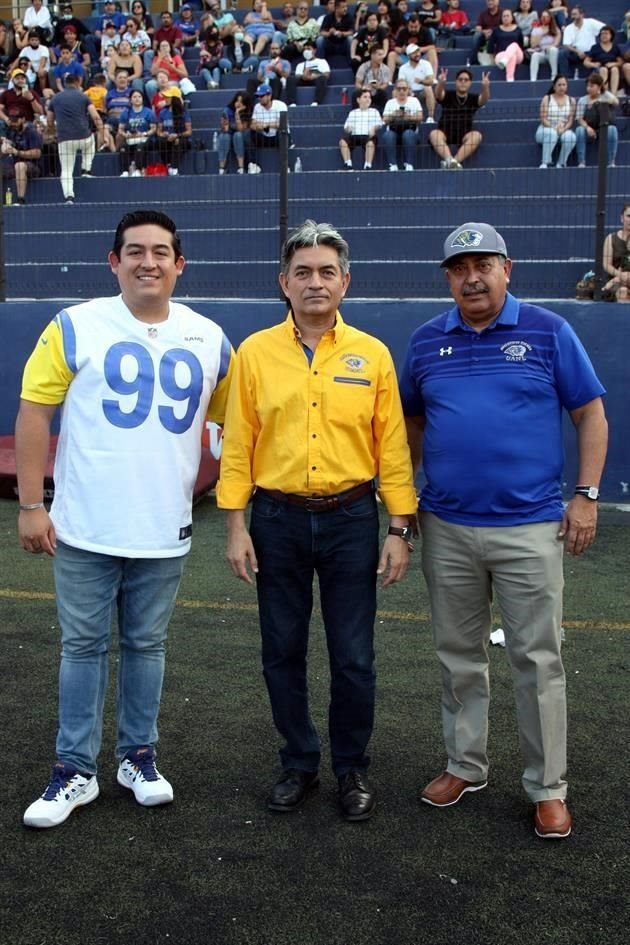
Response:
column 448, row 789
column 552, row 820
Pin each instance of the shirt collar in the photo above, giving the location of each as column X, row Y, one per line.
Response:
column 336, row 332
column 507, row 316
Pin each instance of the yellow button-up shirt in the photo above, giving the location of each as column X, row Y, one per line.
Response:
column 318, row 428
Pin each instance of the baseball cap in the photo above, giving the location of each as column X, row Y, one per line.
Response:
column 17, row 72
column 185, row 6
column 14, row 112
column 263, row 89
column 411, row 48
column 478, row 238
column 172, row 92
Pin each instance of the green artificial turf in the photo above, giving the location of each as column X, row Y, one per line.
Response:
column 216, row 867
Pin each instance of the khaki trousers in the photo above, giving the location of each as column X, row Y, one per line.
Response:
column 522, row 566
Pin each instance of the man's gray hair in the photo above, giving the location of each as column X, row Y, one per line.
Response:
column 310, row 234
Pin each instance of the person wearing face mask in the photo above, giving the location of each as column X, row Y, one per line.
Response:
column 238, row 55
column 210, row 56
column 302, row 29
column 310, row 71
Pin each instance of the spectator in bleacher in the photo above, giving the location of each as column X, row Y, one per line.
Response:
column 430, row 15
column 143, row 18
column 559, row 11
column 588, row 119
column 402, row 117
column 225, row 21
column 259, row 28
column 110, row 15
column 122, row 59
column 413, row 32
column 117, row 100
column 8, row 51
column 70, row 112
column 272, row 71
column 578, row 37
column 302, row 29
column 167, row 32
column 369, row 36
column 97, row 94
column 20, row 33
column 360, row 129
column 266, row 118
column 78, row 49
column 281, row 24
column 67, row 18
column 336, row 33
column 310, row 70
column 21, row 152
column 557, row 115
column 391, row 19
column 67, row 65
column 525, row 17
column 138, row 39
column 160, row 100
column 188, row 26
column 616, row 259
column 544, row 45
column 234, row 131
column 37, row 17
column 506, row 45
column 375, row 76
column 136, row 130
column 487, row 21
column 329, row 7
column 624, row 28
column 110, row 39
column 606, row 58
column 417, row 72
column 174, row 131
column 455, row 130
column 212, row 58
column 238, row 53
column 170, row 60
column 454, row 21
column 19, row 96
column 38, row 57
column 361, row 13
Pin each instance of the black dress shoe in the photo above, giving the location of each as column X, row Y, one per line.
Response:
column 292, row 789
column 357, row 798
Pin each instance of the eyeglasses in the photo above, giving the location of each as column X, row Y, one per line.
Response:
column 402, row 88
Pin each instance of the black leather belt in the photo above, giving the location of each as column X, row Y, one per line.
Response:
column 319, row 503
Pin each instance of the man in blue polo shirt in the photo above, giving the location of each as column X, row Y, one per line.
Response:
column 483, row 387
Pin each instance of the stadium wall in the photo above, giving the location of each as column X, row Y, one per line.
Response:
column 604, row 330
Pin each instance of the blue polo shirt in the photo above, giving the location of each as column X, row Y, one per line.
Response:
column 492, row 403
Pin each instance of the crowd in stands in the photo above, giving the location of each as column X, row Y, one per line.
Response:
column 126, row 79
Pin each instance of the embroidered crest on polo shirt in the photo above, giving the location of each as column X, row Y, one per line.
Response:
column 355, row 363
column 468, row 238
column 516, row 350
column 152, row 332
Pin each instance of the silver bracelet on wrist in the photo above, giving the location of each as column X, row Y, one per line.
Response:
column 31, row 507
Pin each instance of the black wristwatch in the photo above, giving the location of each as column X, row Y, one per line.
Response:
column 405, row 533
column 589, row 492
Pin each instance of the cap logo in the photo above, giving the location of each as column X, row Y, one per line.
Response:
column 467, row 238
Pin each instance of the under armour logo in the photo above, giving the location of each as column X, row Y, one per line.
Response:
column 444, row 351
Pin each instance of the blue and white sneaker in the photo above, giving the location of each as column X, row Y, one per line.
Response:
column 66, row 790
column 137, row 772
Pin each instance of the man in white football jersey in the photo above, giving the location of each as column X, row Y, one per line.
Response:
column 137, row 375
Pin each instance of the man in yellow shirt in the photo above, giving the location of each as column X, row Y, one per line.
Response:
column 313, row 418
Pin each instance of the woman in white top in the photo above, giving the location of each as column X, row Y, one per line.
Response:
column 544, row 44
column 360, row 130
column 557, row 114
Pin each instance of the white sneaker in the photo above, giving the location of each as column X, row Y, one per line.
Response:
column 173, row 172
column 542, row 165
column 430, row 120
column 408, row 167
column 137, row 173
column 241, row 170
column 125, row 174
column 366, row 166
column 314, row 104
column 221, row 170
column 66, row 790
column 253, row 168
column 137, row 772
column 393, row 167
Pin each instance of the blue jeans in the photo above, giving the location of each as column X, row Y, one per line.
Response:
column 237, row 140
column 341, row 546
column 581, row 140
column 89, row 586
column 409, row 140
